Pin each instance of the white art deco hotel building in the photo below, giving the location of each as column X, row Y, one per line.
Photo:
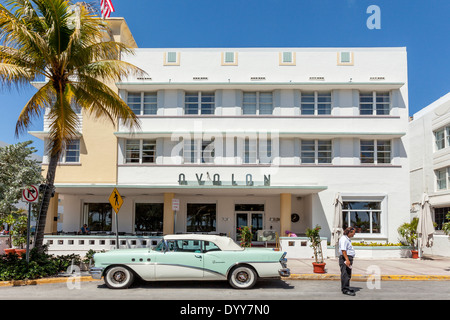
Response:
column 264, row 137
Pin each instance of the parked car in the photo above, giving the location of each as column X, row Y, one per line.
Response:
column 190, row 257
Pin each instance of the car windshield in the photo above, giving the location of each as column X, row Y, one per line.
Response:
column 160, row 246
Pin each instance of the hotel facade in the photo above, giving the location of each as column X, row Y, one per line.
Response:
column 264, row 137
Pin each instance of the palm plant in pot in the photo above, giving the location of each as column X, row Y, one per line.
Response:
column 314, row 237
column 408, row 231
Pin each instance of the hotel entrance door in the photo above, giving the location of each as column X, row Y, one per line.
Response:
column 254, row 220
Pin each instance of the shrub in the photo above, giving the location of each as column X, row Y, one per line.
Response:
column 41, row 265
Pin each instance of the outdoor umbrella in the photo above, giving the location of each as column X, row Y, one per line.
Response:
column 337, row 231
column 425, row 227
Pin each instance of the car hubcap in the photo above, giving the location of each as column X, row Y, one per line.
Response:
column 119, row 276
column 242, row 277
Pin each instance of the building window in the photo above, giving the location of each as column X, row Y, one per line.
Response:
column 258, row 103
column 208, row 151
column 201, row 217
column 345, row 58
column 171, row 58
column 287, row 58
column 365, row 216
column 71, row 153
column 441, row 178
column 442, row 138
column 315, row 103
column 250, row 150
column 375, row 151
column 149, row 217
column 140, row 151
column 199, row 103
column 374, row 103
column 142, row 103
column 316, row 151
column 190, row 151
column 257, row 151
column 98, row 216
column 229, row 59
column 440, row 217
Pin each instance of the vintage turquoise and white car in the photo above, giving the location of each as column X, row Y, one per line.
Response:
column 190, row 257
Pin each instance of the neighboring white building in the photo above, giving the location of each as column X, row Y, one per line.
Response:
column 248, row 136
column 429, row 135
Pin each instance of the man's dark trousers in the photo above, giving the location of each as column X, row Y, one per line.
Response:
column 346, row 273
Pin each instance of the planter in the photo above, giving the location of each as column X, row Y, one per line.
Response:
column 415, row 254
column 21, row 252
column 10, row 251
column 319, row 267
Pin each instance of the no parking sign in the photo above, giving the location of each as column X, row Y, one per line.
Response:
column 30, row 194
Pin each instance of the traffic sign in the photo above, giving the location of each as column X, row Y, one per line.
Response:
column 116, row 200
column 175, row 204
column 30, row 194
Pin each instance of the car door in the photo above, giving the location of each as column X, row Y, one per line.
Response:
column 183, row 260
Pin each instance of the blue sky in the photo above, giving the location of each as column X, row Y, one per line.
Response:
column 423, row 27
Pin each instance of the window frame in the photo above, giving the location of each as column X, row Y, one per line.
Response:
column 380, row 211
column 141, row 151
column 63, row 157
column 200, row 104
column 258, row 102
column 316, row 102
column 376, row 152
column 314, row 154
column 374, row 95
column 142, row 103
column 445, row 140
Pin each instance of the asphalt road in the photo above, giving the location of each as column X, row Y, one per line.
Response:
column 214, row 291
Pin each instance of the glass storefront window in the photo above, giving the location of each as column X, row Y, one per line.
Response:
column 365, row 216
column 149, row 217
column 201, row 217
column 99, row 216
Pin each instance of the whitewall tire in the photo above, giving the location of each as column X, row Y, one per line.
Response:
column 242, row 277
column 119, row 277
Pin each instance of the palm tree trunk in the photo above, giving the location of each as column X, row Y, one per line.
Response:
column 47, row 196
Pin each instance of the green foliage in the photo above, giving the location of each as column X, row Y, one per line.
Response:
column 376, row 244
column 446, row 226
column 41, row 265
column 17, row 222
column 17, row 170
column 408, row 231
column 246, row 236
column 314, row 237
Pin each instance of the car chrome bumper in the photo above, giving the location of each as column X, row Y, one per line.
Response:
column 285, row 272
column 95, row 272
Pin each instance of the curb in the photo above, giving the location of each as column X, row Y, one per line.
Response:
column 360, row 277
column 16, row 283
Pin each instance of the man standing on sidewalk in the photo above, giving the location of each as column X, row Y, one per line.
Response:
column 346, row 255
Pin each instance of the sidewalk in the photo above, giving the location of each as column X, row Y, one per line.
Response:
column 427, row 268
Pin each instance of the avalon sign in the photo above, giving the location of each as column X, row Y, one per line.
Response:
column 216, row 181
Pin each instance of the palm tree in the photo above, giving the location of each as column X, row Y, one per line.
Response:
column 65, row 43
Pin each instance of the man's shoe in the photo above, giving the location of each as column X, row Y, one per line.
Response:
column 350, row 293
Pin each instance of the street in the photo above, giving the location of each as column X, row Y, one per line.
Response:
column 263, row 290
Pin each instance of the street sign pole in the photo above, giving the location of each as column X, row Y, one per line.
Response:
column 30, row 194
column 117, row 231
column 28, row 232
column 116, row 202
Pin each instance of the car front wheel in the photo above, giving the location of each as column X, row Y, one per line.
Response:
column 119, row 277
column 242, row 277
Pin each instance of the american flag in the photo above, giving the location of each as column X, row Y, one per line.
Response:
column 106, row 7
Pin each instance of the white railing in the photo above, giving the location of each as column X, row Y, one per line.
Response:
column 81, row 244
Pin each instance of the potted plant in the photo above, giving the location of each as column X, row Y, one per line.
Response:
column 246, row 236
column 314, row 237
column 408, row 231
